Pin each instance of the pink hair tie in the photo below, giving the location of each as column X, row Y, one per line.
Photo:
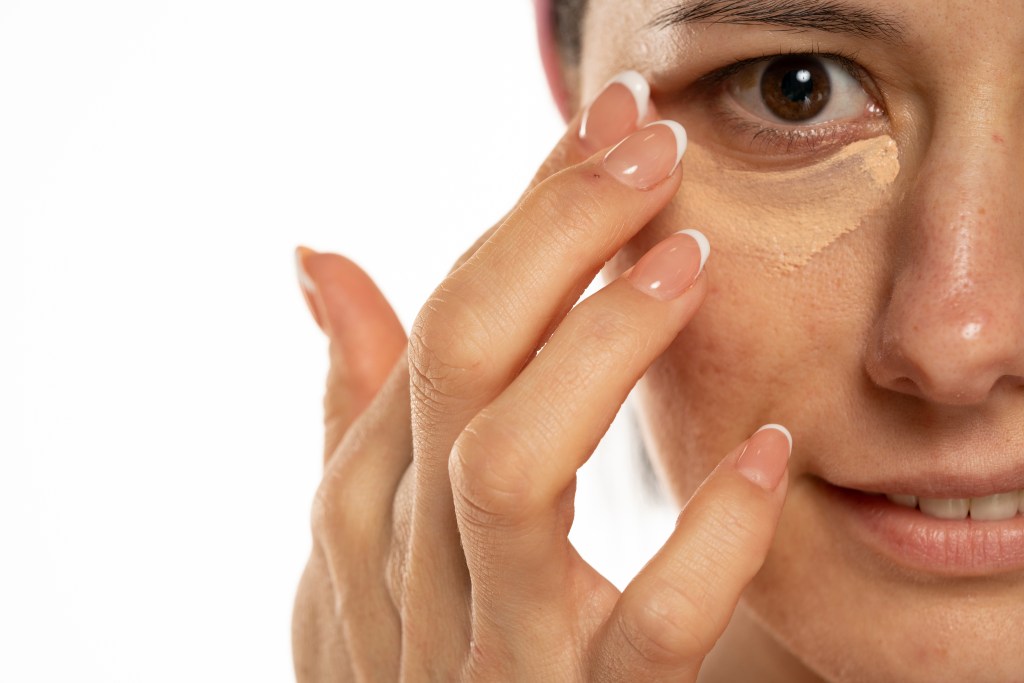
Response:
column 549, row 55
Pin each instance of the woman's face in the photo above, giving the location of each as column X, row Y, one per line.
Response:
column 864, row 207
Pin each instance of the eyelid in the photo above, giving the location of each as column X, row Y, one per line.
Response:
column 846, row 90
column 778, row 139
column 845, row 60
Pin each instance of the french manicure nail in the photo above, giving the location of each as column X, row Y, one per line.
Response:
column 306, row 283
column 648, row 156
column 616, row 111
column 766, row 455
column 672, row 265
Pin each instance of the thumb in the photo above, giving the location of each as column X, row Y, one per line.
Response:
column 366, row 336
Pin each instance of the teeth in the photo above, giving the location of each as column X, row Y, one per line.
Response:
column 900, row 499
column 996, row 507
column 945, row 508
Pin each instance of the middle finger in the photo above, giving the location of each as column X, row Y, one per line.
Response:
column 484, row 323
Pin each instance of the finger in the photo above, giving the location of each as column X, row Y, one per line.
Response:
column 366, row 336
column 512, row 465
column 670, row 615
column 318, row 647
column 623, row 106
column 352, row 521
column 484, row 323
column 346, row 624
column 456, row 367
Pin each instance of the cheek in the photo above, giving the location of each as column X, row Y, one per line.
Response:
column 712, row 386
column 784, row 219
column 790, row 304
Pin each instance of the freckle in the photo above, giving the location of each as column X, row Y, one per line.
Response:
column 981, row 211
column 997, row 138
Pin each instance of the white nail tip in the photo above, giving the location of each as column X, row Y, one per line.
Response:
column 304, row 279
column 781, row 429
column 702, row 242
column 680, row 133
column 639, row 88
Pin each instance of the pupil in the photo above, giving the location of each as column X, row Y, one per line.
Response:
column 798, row 86
column 795, row 88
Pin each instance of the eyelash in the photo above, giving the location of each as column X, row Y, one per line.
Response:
column 775, row 140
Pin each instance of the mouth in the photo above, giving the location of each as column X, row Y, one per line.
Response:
column 951, row 536
column 993, row 508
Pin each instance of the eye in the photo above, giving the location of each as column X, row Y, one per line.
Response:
column 800, row 89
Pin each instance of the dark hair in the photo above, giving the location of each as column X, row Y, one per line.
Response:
column 567, row 23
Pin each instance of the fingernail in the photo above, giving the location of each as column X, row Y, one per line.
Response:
column 616, row 112
column 764, row 458
column 306, row 282
column 672, row 265
column 301, row 253
column 648, row 156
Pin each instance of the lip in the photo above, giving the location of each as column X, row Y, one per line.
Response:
column 915, row 541
column 951, row 484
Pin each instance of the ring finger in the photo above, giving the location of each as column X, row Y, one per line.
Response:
column 519, row 455
column 485, row 321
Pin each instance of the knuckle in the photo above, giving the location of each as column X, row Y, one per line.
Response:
column 338, row 515
column 610, row 336
column 486, row 663
column 665, row 629
column 566, row 207
column 448, row 355
column 327, row 518
column 489, row 474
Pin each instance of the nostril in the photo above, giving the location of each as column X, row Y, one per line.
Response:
column 904, row 384
column 946, row 356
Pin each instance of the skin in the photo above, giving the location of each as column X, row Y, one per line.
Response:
column 862, row 353
column 896, row 344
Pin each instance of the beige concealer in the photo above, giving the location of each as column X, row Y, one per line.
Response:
column 785, row 218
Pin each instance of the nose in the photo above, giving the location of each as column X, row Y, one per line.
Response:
column 952, row 331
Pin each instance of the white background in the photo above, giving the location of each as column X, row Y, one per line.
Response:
column 161, row 377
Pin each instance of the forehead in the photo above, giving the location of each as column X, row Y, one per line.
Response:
column 914, row 20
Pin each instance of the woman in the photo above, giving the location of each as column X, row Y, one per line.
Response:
column 850, row 166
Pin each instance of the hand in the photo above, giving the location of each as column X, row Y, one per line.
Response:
column 440, row 526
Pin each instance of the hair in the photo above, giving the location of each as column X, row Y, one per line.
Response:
column 567, row 23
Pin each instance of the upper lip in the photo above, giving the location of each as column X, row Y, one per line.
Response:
column 967, row 481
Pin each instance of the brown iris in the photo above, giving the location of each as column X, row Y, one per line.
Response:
column 795, row 88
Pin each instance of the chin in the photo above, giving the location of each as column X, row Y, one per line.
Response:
column 851, row 613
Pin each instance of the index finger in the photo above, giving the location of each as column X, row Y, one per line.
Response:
column 598, row 126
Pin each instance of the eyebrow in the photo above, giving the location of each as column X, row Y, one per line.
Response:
column 831, row 16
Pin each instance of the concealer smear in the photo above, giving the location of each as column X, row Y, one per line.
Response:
column 786, row 218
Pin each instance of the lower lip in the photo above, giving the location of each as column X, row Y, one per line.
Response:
column 913, row 540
